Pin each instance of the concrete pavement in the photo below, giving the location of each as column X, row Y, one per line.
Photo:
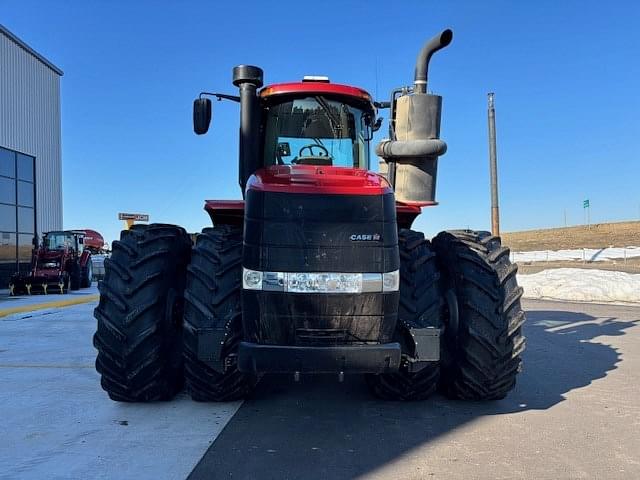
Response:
column 575, row 413
column 57, row 423
column 10, row 305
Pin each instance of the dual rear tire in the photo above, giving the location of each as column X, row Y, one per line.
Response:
column 482, row 355
column 139, row 334
column 481, row 321
column 212, row 295
column 421, row 306
column 156, row 296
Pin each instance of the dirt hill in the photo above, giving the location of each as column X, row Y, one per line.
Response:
column 621, row 234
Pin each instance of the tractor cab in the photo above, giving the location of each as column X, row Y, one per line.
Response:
column 67, row 240
column 316, row 123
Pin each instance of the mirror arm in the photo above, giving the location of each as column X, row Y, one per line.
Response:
column 221, row 96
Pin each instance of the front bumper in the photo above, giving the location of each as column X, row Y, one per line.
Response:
column 377, row 358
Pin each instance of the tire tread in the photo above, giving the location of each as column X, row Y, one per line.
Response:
column 485, row 357
column 212, row 300
column 138, row 346
column 420, row 306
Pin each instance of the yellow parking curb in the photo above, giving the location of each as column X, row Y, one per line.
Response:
column 43, row 306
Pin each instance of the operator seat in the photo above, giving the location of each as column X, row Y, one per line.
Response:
column 316, row 126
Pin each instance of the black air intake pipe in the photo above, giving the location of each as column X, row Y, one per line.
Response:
column 414, row 145
column 248, row 79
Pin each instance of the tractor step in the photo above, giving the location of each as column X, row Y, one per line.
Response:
column 381, row 358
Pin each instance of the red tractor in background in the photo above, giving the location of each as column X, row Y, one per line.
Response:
column 61, row 262
column 317, row 269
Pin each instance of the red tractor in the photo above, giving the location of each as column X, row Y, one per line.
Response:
column 317, row 269
column 59, row 264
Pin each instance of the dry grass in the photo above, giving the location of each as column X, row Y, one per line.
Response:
column 622, row 234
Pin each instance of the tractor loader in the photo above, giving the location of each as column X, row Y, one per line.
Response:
column 61, row 262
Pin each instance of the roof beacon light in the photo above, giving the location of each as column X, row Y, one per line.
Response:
column 315, row 78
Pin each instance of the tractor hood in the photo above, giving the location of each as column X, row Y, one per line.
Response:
column 312, row 179
column 45, row 255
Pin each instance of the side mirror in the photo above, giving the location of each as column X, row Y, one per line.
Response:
column 201, row 115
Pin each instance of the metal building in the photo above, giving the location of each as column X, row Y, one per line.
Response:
column 30, row 157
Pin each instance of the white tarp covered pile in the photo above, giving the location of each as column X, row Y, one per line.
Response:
column 582, row 285
column 581, row 254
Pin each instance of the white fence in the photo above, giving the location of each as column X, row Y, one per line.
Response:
column 585, row 255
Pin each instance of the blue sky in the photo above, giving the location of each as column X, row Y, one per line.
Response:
column 565, row 74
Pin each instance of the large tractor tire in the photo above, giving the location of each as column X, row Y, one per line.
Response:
column 75, row 275
column 421, row 306
column 212, row 302
column 87, row 274
column 482, row 353
column 139, row 335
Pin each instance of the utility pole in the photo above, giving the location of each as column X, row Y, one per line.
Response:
column 493, row 167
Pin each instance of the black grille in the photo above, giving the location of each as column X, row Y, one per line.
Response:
column 321, row 336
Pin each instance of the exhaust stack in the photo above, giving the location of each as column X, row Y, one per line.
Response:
column 424, row 57
column 414, row 145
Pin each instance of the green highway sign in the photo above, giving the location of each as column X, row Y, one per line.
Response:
column 585, row 203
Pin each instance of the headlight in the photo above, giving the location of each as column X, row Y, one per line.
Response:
column 324, row 282
column 251, row 279
column 391, row 281
column 320, row 282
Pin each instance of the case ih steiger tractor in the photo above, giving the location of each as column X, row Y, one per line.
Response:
column 59, row 264
column 317, row 270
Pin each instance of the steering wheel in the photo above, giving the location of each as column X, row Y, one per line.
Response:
column 323, row 151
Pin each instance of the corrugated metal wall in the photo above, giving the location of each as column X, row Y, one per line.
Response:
column 30, row 123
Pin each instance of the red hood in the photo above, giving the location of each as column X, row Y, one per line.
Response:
column 313, row 179
column 50, row 254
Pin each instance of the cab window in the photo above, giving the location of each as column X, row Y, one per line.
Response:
column 317, row 131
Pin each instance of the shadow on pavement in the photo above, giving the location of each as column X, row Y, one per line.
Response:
column 320, row 429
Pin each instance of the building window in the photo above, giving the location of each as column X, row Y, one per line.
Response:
column 7, row 163
column 17, row 210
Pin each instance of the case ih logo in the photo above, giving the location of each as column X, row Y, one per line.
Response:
column 374, row 237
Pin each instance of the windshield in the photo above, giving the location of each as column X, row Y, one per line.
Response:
column 317, row 131
column 56, row 241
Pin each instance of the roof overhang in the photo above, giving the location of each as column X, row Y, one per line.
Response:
column 317, row 88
